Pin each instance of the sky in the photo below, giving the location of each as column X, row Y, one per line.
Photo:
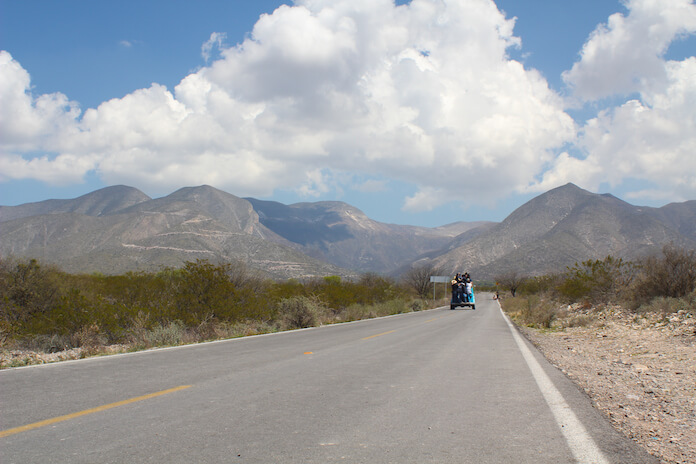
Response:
column 421, row 112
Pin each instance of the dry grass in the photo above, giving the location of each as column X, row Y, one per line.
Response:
column 294, row 313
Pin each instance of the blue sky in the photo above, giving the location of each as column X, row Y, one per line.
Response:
column 425, row 112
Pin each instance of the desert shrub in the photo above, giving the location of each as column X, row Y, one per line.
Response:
column 51, row 310
column 578, row 321
column 170, row 334
column 513, row 306
column 203, row 291
column 67, row 317
column 667, row 305
column 597, row 281
column 89, row 337
column 672, row 275
column 538, row 312
column 300, row 312
column 418, row 305
column 546, row 284
column 373, row 288
column 331, row 291
column 287, row 289
column 138, row 291
column 27, row 290
column 357, row 312
column 533, row 311
column 246, row 328
column 48, row 343
column 338, row 294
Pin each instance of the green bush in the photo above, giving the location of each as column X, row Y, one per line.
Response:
column 27, row 291
column 44, row 308
column 546, row 284
column 203, row 291
column 597, row 281
column 357, row 311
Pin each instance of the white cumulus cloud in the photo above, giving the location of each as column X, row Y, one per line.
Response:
column 216, row 40
column 423, row 93
column 626, row 54
column 649, row 140
column 29, row 122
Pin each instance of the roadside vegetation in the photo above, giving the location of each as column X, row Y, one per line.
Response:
column 46, row 310
column 664, row 284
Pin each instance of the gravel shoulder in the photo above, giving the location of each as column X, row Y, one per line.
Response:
column 639, row 370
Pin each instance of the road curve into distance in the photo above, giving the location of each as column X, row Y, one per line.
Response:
column 438, row 386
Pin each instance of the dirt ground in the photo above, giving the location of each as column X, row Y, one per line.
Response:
column 640, row 370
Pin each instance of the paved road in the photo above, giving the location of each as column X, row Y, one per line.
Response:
column 437, row 386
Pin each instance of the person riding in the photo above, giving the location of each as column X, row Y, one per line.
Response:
column 455, row 290
column 468, row 287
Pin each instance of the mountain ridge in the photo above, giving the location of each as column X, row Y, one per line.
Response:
column 96, row 203
column 561, row 227
column 119, row 229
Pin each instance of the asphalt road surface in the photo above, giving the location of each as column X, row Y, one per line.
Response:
column 439, row 386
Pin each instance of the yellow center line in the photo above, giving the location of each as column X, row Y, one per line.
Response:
column 55, row 420
column 379, row 335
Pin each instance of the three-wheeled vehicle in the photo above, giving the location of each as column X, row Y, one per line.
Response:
column 463, row 299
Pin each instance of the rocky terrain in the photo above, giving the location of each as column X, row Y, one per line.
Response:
column 639, row 369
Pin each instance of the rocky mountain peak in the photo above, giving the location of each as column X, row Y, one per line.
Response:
column 101, row 202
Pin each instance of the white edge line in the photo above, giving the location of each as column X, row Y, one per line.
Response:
column 584, row 449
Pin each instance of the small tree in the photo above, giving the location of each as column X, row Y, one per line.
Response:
column 418, row 279
column 511, row 281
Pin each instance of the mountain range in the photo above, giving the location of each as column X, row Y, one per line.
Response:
column 119, row 229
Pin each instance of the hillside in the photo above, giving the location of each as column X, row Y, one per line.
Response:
column 568, row 225
column 343, row 235
column 120, row 235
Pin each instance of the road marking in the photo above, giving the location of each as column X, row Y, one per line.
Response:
column 308, row 352
column 584, row 449
column 379, row 335
column 55, row 420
